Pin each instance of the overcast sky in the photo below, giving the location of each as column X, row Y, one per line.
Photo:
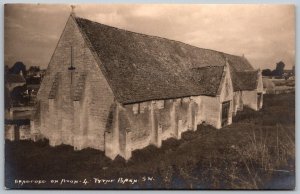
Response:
column 265, row 34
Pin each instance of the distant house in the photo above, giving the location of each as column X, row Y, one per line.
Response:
column 12, row 81
column 32, row 90
column 33, row 85
column 118, row 91
column 288, row 73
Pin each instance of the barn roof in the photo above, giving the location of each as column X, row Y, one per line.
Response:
column 140, row 67
column 14, row 78
column 244, row 80
column 207, row 79
column 238, row 63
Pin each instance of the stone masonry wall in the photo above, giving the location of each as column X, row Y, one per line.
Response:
column 57, row 115
column 237, row 101
column 96, row 120
column 152, row 122
column 250, row 99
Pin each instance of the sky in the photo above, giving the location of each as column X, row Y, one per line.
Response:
column 264, row 34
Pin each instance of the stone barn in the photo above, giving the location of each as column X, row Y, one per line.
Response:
column 117, row 91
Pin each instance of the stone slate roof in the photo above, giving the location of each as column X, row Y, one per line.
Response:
column 244, row 80
column 14, row 78
column 238, row 63
column 140, row 67
column 207, row 78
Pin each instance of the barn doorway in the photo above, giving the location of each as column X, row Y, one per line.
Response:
column 259, row 100
column 225, row 113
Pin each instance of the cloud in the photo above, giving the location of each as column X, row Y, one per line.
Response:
column 264, row 33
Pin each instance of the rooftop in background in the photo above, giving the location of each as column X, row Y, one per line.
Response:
column 14, row 78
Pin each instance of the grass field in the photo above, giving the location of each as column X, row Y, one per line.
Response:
column 256, row 152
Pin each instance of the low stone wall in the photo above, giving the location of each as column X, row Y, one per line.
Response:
column 16, row 132
column 10, row 132
column 283, row 89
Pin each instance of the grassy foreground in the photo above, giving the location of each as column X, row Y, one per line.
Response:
column 256, row 152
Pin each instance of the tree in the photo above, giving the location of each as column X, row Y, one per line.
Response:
column 17, row 95
column 266, row 72
column 6, row 69
column 33, row 70
column 17, row 68
column 7, row 98
column 279, row 69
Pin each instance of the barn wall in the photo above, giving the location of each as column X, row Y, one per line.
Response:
column 211, row 111
column 164, row 119
column 237, row 102
column 139, row 123
column 250, row 99
column 147, row 123
column 91, row 113
column 226, row 93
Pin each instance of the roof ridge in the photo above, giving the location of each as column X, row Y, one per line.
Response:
column 208, row 66
column 248, row 71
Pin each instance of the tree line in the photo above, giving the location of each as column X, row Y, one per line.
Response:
column 278, row 71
